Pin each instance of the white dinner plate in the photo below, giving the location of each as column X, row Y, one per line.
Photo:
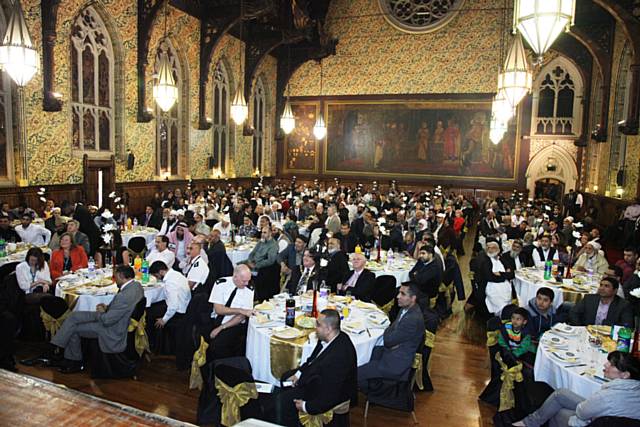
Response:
column 287, row 333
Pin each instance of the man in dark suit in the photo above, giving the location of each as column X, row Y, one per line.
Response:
column 516, row 258
column 603, row 308
column 427, row 273
column 394, row 358
column 306, row 276
column 326, row 381
column 348, row 239
column 109, row 323
column 338, row 265
column 150, row 218
column 359, row 281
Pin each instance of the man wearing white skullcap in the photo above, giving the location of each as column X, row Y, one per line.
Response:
column 592, row 259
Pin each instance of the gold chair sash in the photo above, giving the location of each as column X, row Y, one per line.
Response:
column 233, row 398
column 199, row 359
column 141, row 339
column 492, row 338
column 387, row 307
column 286, row 354
column 51, row 324
column 308, row 420
column 433, row 301
column 429, row 339
column 447, row 294
column 509, row 377
column 417, row 365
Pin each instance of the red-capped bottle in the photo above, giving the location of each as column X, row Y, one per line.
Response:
column 314, row 307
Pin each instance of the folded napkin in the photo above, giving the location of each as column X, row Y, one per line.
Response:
column 264, row 306
column 365, row 305
column 354, row 327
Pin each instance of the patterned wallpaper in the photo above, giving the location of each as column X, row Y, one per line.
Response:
column 49, row 134
column 604, row 178
column 374, row 57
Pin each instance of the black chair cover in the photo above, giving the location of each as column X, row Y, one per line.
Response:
column 267, row 282
column 138, row 245
column 385, row 290
column 614, row 421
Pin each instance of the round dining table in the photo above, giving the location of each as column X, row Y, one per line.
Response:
column 239, row 252
column 148, row 233
column 20, row 252
column 83, row 292
column 529, row 279
column 399, row 267
column 566, row 359
column 271, row 357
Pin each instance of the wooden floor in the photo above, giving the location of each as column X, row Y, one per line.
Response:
column 459, row 371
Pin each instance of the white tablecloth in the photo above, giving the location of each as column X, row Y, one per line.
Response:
column 527, row 284
column 399, row 268
column 19, row 256
column 240, row 252
column 88, row 302
column 259, row 350
column 558, row 375
column 149, row 235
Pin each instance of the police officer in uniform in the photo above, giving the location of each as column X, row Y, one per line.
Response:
column 197, row 270
column 232, row 300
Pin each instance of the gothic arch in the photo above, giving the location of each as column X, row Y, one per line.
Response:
column 566, row 169
column 550, row 122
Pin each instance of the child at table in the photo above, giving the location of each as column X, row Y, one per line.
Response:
column 543, row 314
column 514, row 340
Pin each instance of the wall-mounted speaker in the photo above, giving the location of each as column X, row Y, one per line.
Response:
column 131, row 160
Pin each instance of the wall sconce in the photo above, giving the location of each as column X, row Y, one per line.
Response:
column 595, row 188
column 165, row 174
column 619, row 192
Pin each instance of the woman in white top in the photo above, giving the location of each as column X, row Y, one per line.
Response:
column 33, row 275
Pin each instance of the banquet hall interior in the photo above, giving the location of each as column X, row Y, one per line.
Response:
column 320, row 212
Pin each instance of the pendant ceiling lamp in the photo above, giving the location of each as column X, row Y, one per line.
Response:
column 541, row 21
column 239, row 107
column 516, row 79
column 497, row 130
column 17, row 54
column 501, row 109
column 287, row 121
column 165, row 90
column 320, row 128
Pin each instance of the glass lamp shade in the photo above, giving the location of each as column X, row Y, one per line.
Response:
column 541, row 21
column 501, row 109
column 239, row 108
column 287, row 121
column 516, row 79
column 497, row 130
column 320, row 129
column 165, row 91
column 17, row 55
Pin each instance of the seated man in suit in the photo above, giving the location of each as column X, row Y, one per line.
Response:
column 603, row 308
column 427, row 274
column 516, row 258
column 326, row 380
column 338, row 265
column 109, row 323
column 304, row 277
column 360, row 282
column 348, row 239
column 400, row 341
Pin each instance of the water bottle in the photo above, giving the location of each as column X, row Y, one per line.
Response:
column 624, row 340
column 3, row 248
column 92, row 268
column 389, row 257
column 324, row 292
column 290, row 313
column 135, row 222
column 145, row 271
column 547, row 270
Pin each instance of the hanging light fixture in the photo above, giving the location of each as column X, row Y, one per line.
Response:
column 165, row 90
column 497, row 130
column 17, row 54
column 320, row 128
column 288, row 120
column 501, row 108
column 541, row 21
column 239, row 108
column 516, row 79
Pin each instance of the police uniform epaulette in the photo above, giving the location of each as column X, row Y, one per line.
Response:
column 222, row 280
column 195, row 264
